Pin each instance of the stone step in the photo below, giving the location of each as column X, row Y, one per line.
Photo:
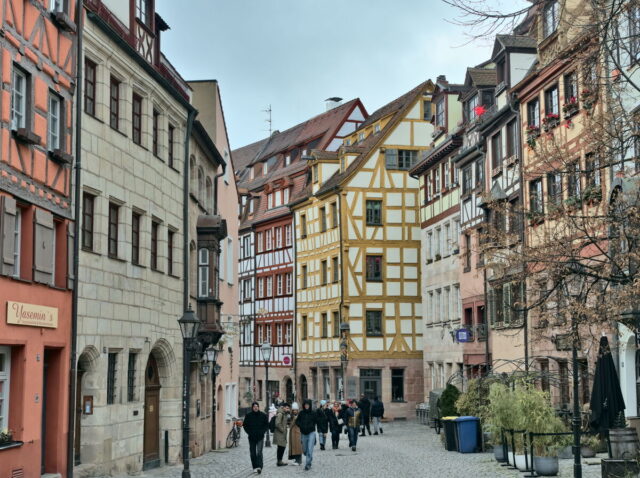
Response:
column 51, row 475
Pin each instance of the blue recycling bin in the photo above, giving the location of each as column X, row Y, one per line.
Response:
column 468, row 429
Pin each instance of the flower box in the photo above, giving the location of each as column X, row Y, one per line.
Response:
column 550, row 121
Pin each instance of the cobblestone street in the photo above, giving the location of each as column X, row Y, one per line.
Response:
column 405, row 450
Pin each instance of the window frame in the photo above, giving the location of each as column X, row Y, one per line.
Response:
column 170, row 238
column 533, row 112
column 374, row 264
column 135, row 237
column 536, row 196
column 136, row 119
column 155, row 143
column 90, row 74
column 153, row 250
column 550, row 13
column 113, row 230
column 86, row 231
column 204, row 272
column 131, row 376
column 394, row 398
column 373, row 209
column 23, row 103
column 5, row 379
column 170, row 143
column 335, row 269
column 55, row 125
column 114, row 102
column 112, row 367
column 371, row 331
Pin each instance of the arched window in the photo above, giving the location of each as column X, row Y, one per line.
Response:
column 192, row 172
column 209, row 203
column 201, row 185
column 203, row 273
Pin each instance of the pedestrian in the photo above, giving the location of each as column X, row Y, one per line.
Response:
column 377, row 412
column 343, row 410
column 334, row 416
column 280, row 433
column 323, row 423
column 352, row 417
column 365, row 409
column 295, row 439
column 307, row 422
column 256, row 425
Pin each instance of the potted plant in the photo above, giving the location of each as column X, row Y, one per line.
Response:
column 624, row 450
column 6, row 437
column 590, row 444
column 533, row 131
column 501, row 414
column 570, row 107
column 587, row 98
column 550, row 121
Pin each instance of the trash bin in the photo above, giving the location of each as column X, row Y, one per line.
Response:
column 467, row 430
column 450, row 439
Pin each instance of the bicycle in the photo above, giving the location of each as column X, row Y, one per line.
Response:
column 233, row 438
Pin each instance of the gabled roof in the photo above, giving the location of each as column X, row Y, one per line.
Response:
column 513, row 41
column 242, row 157
column 481, row 77
column 398, row 108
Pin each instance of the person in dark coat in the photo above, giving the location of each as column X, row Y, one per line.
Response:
column 256, row 425
column 307, row 422
column 365, row 409
column 336, row 422
column 377, row 412
column 343, row 410
column 352, row 417
column 323, row 423
column 280, row 433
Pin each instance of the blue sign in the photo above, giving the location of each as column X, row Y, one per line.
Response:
column 463, row 335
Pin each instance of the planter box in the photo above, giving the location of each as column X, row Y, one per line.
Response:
column 619, row 468
column 546, row 465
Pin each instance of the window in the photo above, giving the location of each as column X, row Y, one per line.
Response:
column 467, row 178
column 550, row 17
column 374, row 212
column 551, row 101
column 397, row 385
column 334, row 215
column 269, row 239
column 323, row 219
column 57, row 6
column 131, row 377
column 314, row 172
column 279, row 288
column 137, row 119
column 154, row 245
column 335, row 269
column 400, row 158
column 304, row 327
column 259, row 241
column 5, row 375
column 563, row 370
column 170, row 140
column 113, row 229
column 479, row 172
column 114, row 103
column 143, row 11
column 170, row 236
column 376, row 128
column 374, row 323
column 17, row 230
column 427, row 113
column 536, row 199
column 111, row 377
column 288, row 281
column 325, row 325
column 304, row 277
column 470, row 108
column 287, row 333
column 203, row 272
column 533, row 112
column 278, row 233
column 554, row 188
column 89, row 87
column 437, row 183
column 303, row 226
column 511, row 139
column 324, row 272
column 374, row 268
column 496, row 151
column 279, row 333
column 573, row 180
column 260, row 287
column 88, row 201
column 135, row 238
column 571, row 88
column 335, row 323
column 436, row 243
column 156, row 124
column 246, row 289
column 269, row 287
column 593, row 171
column 20, row 92
column 56, row 120
column 287, row 235
column 360, row 137
column 467, row 252
column 440, row 112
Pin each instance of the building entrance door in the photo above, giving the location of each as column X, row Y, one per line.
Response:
column 77, row 427
column 43, row 430
column 371, row 382
column 151, row 453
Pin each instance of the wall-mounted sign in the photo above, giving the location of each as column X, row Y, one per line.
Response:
column 31, row 315
column 87, row 405
column 463, row 335
column 286, row 360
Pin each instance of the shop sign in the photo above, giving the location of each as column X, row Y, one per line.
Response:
column 463, row 335
column 31, row 315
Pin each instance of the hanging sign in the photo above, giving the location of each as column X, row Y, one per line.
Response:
column 463, row 335
column 31, row 315
column 286, row 360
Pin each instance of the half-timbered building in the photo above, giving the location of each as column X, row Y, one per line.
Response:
column 357, row 262
column 36, row 222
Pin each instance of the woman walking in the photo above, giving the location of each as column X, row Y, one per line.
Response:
column 295, row 437
column 336, row 421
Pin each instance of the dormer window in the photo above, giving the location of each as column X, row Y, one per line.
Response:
column 440, row 119
column 470, row 108
column 360, row 137
column 550, row 17
column 143, row 11
column 265, row 168
column 376, row 128
column 287, row 160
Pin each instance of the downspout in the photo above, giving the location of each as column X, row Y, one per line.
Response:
column 254, row 330
column 294, row 280
column 73, row 372
column 185, row 210
column 342, row 319
column 215, row 186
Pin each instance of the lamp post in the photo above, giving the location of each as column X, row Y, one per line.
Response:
column 216, row 372
column 189, row 326
column 344, row 353
column 265, row 349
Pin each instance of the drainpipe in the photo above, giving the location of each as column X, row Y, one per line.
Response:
column 185, row 210
column 76, row 249
column 342, row 320
column 215, row 186
column 294, row 280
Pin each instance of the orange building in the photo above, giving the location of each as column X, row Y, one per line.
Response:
column 37, row 70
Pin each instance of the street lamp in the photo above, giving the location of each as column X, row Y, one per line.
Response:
column 265, row 349
column 344, row 353
column 216, row 372
column 189, row 326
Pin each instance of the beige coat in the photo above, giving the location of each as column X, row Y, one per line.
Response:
column 295, row 439
column 280, row 433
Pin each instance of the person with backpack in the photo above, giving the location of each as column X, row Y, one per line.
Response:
column 256, row 425
column 352, row 417
column 377, row 412
column 307, row 423
column 322, row 423
column 278, row 426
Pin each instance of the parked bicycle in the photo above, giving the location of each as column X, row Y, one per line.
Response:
column 233, row 438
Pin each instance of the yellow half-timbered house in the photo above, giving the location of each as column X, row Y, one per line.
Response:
column 358, row 258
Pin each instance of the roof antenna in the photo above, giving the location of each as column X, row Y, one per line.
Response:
column 268, row 120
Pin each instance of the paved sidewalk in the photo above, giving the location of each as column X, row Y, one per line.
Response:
column 406, row 450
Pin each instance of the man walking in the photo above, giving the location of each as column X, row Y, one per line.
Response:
column 322, row 422
column 307, row 422
column 377, row 412
column 365, row 409
column 256, row 425
column 352, row 416
column 280, row 433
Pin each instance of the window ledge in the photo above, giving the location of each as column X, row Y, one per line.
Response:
column 90, row 251
column 13, row 444
column 138, row 265
column 63, row 21
column 116, row 258
column 61, row 157
column 374, row 280
column 26, row 136
column 374, row 335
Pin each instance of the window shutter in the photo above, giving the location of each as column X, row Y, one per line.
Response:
column 491, row 296
column 70, row 255
column 391, row 158
column 43, row 247
column 7, row 225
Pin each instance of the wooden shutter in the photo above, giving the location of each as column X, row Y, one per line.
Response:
column 7, row 238
column 391, row 158
column 70, row 255
column 43, row 247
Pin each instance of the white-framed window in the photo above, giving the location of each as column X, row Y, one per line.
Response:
column 278, row 232
column 287, row 333
column 551, row 16
column 436, row 242
column 259, row 242
column 5, row 383
column 230, row 268
column 285, row 195
column 447, row 238
column 222, row 260
column 445, row 304
column 55, row 121
column 376, row 128
column 268, row 333
column 429, row 250
column 289, row 282
column 19, row 99
column 269, row 286
column 279, row 284
column 456, row 301
column 260, row 287
column 17, row 227
column 287, row 235
column 231, row 400
column 430, row 317
column 270, row 201
column 277, row 198
column 269, row 244
column 437, row 311
column 203, row 272
column 57, row 6
column 278, row 333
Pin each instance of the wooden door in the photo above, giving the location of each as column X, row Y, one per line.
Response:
column 151, row 454
column 77, row 427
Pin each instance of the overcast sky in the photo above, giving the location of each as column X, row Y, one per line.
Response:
column 293, row 54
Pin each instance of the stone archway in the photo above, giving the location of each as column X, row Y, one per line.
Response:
column 304, row 388
column 86, row 386
column 288, row 389
column 151, row 437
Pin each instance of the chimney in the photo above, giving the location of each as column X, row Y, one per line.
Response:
column 332, row 102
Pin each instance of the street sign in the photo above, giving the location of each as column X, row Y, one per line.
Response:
column 463, row 335
column 286, row 360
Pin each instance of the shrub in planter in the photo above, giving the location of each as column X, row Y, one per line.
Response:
column 6, row 437
column 448, row 401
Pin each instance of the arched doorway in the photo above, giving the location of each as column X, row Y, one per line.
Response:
column 304, row 387
column 288, row 390
column 151, row 454
column 85, row 386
